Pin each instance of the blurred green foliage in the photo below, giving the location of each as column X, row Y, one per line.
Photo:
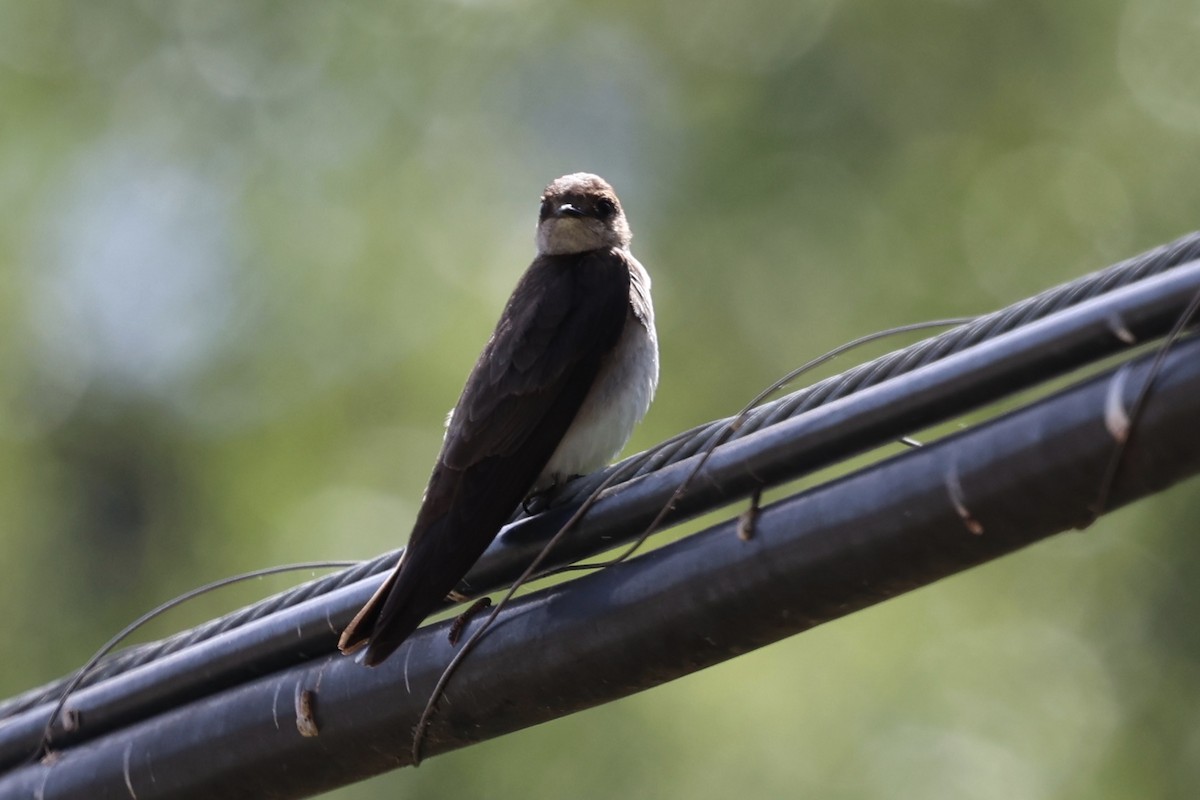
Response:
column 249, row 250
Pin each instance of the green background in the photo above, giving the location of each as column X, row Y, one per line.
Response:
column 249, row 251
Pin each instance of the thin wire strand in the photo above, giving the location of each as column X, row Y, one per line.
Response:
column 444, row 679
column 730, row 427
column 477, row 635
column 1113, row 468
column 156, row 612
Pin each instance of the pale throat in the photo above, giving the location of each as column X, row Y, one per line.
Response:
column 565, row 235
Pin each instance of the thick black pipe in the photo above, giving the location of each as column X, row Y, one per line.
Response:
column 938, row 391
column 897, row 525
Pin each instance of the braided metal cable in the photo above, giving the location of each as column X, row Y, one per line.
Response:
column 684, row 445
column 702, row 437
column 137, row 655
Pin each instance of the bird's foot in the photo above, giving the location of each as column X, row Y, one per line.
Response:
column 539, row 501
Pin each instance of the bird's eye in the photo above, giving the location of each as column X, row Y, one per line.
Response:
column 546, row 210
column 605, row 208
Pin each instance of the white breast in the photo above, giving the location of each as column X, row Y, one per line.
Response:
column 617, row 401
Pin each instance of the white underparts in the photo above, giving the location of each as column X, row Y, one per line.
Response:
column 616, row 403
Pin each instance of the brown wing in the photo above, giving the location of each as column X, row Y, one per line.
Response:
column 562, row 321
column 566, row 312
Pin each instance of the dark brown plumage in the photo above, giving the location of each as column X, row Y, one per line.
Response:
column 558, row 334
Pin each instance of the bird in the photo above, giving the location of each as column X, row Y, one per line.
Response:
column 566, row 375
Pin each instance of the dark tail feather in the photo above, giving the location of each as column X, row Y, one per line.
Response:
column 397, row 608
column 431, row 567
column 394, row 618
column 358, row 632
column 461, row 514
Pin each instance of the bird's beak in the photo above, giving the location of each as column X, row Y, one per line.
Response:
column 568, row 210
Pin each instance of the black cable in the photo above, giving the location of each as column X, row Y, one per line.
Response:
column 867, row 537
column 314, row 635
column 687, row 444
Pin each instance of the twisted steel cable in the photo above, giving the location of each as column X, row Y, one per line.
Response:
column 682, row 446
column 816, row 556
column 888, row 366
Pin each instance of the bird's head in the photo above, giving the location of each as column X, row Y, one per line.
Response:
column 580, row 212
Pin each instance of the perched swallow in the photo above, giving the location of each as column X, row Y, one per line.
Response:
column 568, row 372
